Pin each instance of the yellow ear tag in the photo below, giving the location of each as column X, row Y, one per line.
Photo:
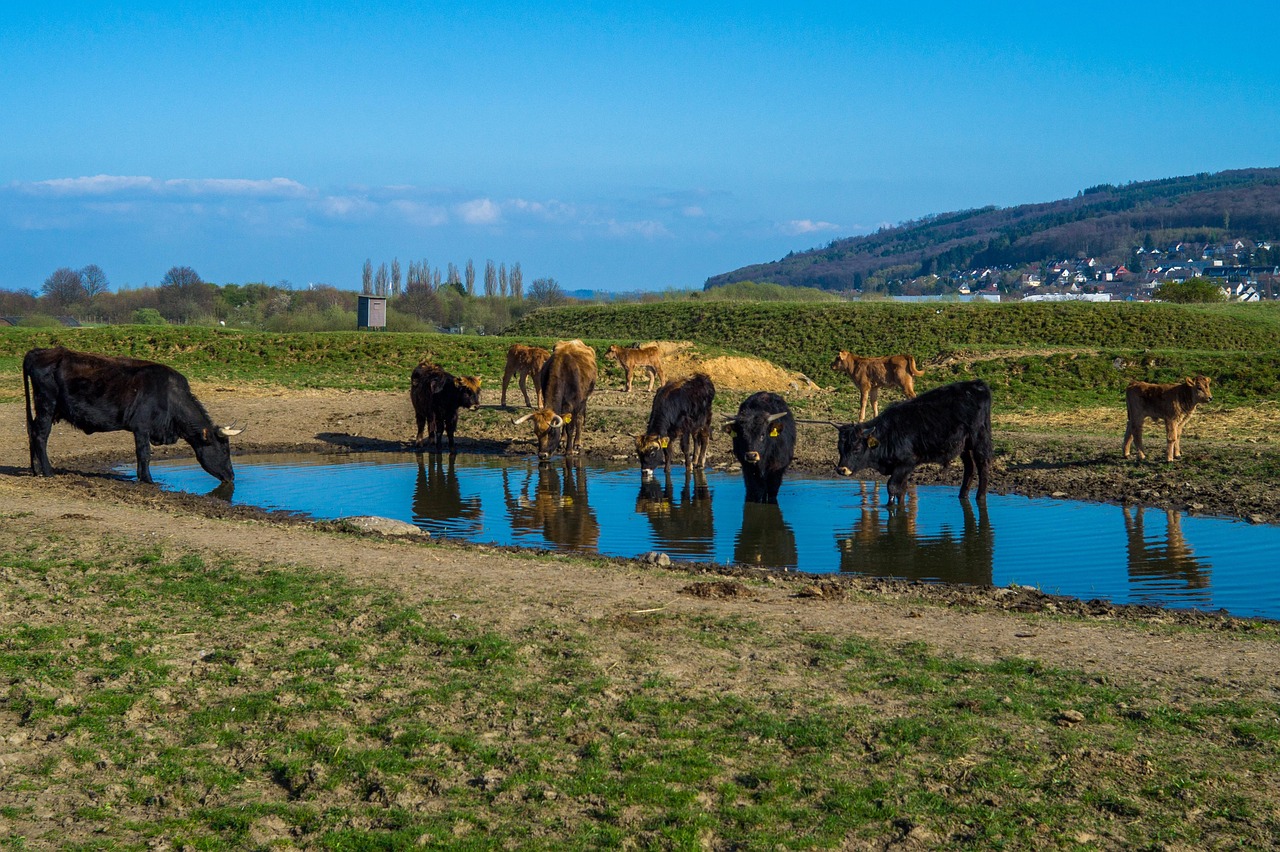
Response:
column 568, row 418
column 665, row 443
column 773, row 433
column 873, row 443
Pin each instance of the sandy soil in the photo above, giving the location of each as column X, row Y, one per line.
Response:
column 985, row 623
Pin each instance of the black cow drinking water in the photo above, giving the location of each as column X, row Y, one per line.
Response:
column 681, row 411
column 936, row 426
column 98, row 393
column 764, row 443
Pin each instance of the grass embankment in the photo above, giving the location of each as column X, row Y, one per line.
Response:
column 1046, row 356
column 219, row 706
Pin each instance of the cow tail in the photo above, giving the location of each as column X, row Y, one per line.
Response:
column 26, row 389
column 915, row 371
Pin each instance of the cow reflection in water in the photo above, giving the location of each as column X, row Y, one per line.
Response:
column 765, row 538
column 557, row 509
column 685, row 527
column 885, row 542
column 437, row 496
column 1156, row 561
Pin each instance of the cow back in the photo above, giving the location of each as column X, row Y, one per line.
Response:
column 569, row 376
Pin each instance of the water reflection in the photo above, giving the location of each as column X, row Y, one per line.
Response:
column 765, row 538
column 437, row 496
column 886, row 542
column 557, row 509
column 1160, row 561
column 685, row 527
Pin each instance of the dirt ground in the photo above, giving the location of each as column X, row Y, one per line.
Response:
column 983, row 622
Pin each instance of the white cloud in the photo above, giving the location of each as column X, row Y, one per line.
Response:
column 480, row 211
column 346, row 207
column 98, row 186
column 797, row 227
column 418, row 213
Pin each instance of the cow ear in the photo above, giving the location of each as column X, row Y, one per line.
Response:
column 731, row 428
column 872, row 441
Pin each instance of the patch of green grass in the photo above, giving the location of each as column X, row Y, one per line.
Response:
column 213, row 703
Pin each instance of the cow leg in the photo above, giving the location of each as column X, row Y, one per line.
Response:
column 875, row 401
column 862, row 410
column 142, row 443
column 653, row 374
column 38, row 439
column 898, row 484
column 451, row 424
column 1133, row 436
column 966, row 459
column 506, row 380
column 422, row 425
column 1173, row 437
column 524, row 390
column 627, row 374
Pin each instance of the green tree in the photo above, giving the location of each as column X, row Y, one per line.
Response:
column 1191, row 290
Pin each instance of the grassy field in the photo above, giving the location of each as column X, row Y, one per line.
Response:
column 1034, row 355
column 335, row 715
column 1040, row 357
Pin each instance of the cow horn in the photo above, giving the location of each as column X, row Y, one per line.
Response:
column 231, row 431
column 778, row 416
column 520, row 420
column 556, row 421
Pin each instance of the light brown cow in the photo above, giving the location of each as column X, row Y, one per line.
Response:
column 871, row 374
column 1173, row 403
column 566, row 381
column 524, row 362
column 634, row 358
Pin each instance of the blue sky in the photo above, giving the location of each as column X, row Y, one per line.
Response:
column 607, row 147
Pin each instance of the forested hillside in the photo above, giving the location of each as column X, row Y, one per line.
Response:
column 1104, row 222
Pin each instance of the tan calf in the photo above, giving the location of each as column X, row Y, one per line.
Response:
column 871, row 374
column 639, row 358
column 1173, row 403
column 524, row 361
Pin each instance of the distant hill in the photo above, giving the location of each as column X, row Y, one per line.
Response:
column 1105, row 222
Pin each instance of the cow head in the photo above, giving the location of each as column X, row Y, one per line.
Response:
column 468, row 391
column 213, row 450
column 857, row 445
column 1199, row 388
column 651, row 450
column 752, row 433
column 842, row 361
column 547, row 427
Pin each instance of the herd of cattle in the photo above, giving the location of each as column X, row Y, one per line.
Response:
column 98, row 393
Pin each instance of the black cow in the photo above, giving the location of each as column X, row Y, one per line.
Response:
column 98, row 393
column 936, row 426
column 437, row 396
column 764, row 442
column 681, row 410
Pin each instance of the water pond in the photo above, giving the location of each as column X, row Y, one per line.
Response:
column 1086, row 550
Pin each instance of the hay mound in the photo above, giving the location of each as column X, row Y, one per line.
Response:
column 730, row 372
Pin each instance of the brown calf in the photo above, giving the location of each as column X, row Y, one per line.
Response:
column 1173, row 403
column 871, row 374
column 524, row 361
column 639, row 358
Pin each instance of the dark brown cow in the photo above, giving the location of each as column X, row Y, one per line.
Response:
column 633, row 358
column 437, row 397
column 681, row 411
column 935, row 427
column 567, row 380
column 871, row 374
column 524, row 362
column 98, row 393
column 1173, row 403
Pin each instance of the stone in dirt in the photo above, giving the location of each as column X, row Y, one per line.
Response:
column 385, row 526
